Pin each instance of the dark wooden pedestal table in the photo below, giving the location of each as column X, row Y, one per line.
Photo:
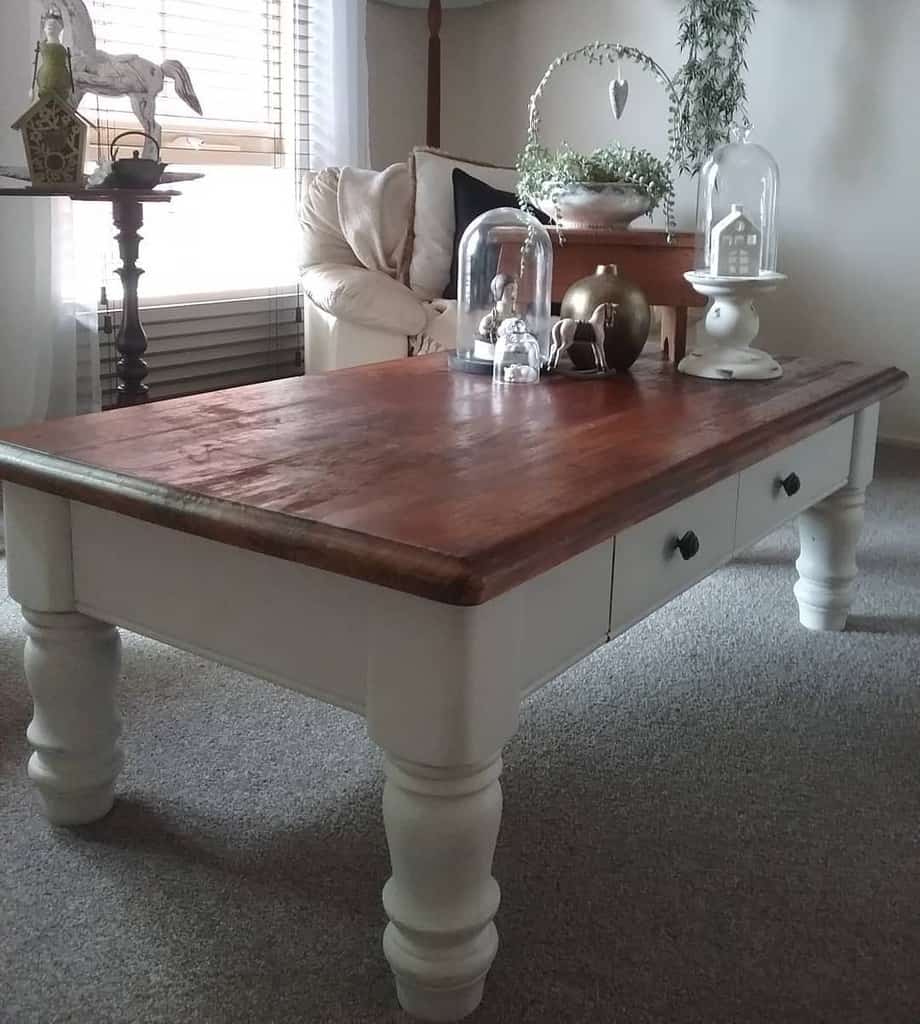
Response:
column 128, row 218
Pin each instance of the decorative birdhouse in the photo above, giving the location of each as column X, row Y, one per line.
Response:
column 54, row 136
column 735, row 243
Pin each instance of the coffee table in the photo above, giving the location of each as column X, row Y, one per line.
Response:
column 424, row 549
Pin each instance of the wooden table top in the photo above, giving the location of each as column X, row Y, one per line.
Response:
column 430, row 482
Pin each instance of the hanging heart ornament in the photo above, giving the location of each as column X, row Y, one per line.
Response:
column 619, row 93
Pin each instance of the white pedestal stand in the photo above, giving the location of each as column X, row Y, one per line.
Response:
column 732, row 323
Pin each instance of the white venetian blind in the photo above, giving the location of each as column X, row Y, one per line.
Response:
column 220, row 294
column 240, row 59
column 195, row 347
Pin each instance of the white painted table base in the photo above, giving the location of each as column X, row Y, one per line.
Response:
column 440, row 686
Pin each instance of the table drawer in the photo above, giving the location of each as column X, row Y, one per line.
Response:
column 820, row 464
column 648, row 569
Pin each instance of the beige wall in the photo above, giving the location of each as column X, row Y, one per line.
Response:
column 831, row 94
column 397, row 47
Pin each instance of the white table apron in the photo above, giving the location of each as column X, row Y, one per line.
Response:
column 439, row 685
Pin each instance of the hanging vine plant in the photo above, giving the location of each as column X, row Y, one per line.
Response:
column 711, row 93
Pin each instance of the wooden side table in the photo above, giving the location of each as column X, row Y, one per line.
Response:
column 656, row 265
column 128, row 218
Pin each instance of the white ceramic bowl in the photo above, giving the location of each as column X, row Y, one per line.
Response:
column 591, row 204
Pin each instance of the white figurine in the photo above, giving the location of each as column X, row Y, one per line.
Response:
column 100, row 73
column 734, row 246
column 564, row 336
column 504, row 298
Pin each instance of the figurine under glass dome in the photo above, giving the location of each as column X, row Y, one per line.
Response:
column 735, row 260
column 505, row 266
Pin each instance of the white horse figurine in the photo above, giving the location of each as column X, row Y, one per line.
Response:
column 101, row 73
column 563, row 337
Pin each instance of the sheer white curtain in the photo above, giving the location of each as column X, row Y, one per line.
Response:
column 38, row 357
column 39, row 365
column 48, row 365
column 337, row 84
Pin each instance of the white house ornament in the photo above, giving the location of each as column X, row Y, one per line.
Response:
column 735, row 245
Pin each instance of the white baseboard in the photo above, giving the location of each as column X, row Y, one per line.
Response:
column 900, row 441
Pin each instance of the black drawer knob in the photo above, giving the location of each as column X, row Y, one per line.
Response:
column 688, row 545
column 791, row 484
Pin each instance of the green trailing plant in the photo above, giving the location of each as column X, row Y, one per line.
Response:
column 544, row 173
column 705, row 101
column 710, row 86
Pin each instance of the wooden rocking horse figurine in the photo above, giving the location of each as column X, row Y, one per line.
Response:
column 565, row 334
column 104, row 74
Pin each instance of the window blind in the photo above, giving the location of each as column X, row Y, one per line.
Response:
column 220, row 297
column 239, row 55
column 194, row 347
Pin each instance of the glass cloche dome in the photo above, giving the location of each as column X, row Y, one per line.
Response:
column 736, row 212
column 505, row 267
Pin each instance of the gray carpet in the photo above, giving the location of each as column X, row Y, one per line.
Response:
column 713, row 819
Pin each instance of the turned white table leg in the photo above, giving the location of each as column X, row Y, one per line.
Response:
column 443, row 697
column 829, row 533
column 72, row 665
column 441, row 826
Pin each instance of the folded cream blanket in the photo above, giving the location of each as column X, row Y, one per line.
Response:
column 374, row 214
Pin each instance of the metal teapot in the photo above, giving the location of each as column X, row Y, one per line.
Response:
column 137, row 172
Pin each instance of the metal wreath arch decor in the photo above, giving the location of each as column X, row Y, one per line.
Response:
column 544, row 175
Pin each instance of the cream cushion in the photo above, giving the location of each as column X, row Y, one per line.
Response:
column 365, row 297
column 321, row 238
column 374, row 214
column 427, row 259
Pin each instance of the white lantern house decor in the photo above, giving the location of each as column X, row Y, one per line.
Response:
column 735, row 260
column 734, row 245
column 505, row 269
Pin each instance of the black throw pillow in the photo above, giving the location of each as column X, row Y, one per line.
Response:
column 472, row 198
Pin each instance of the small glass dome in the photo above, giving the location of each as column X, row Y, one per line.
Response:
column 517, row 354
column 736, row 212
column 505, row 267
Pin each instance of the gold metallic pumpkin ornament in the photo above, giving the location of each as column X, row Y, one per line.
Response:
column 624, row 327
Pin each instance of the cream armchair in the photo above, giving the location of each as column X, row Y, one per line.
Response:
column 377, row 250
column 357, row 311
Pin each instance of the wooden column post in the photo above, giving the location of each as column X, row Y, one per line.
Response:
column 128, row 215
column 433, row 134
